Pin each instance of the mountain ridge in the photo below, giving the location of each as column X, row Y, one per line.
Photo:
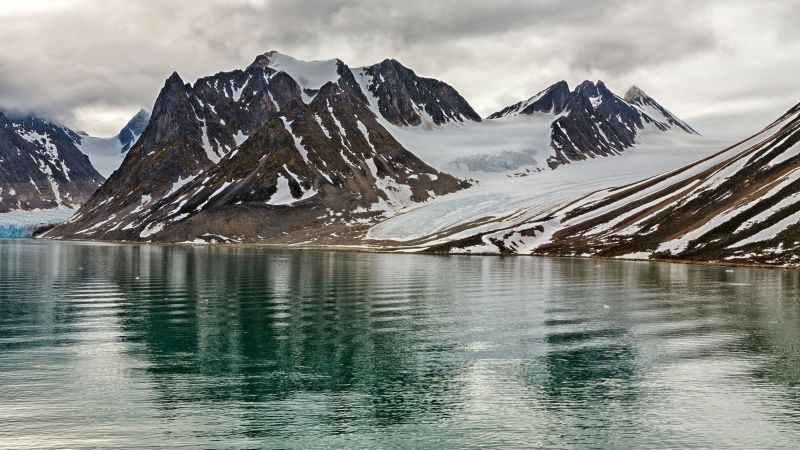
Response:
column 301, row 152
column 591, row 121
column 327, row 141
column 737, row 205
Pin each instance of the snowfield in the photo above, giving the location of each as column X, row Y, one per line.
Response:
column 502, row 199
column 105, row 154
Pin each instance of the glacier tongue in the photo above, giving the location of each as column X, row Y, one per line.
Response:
column 20, row 224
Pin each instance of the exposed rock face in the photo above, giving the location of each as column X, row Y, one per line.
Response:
column 403, row 97
column 133, row 129
column 270, row 153
column 41, row 167
column 591, row 121
column 553, row 100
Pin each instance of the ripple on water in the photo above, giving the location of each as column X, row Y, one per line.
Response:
column 133, row 346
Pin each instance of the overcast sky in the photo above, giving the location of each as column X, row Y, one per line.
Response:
column 726, row 66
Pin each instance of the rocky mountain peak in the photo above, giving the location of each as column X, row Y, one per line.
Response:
column 274, row 146
column 174, row 80
column 593, row 89
column 634, row 93
column 133, row 129
column 591, row 120
column 586, row 85
column 553, row 99
column 649, row 106
column 406, row 99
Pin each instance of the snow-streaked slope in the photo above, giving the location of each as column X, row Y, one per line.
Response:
column 591, row 121
column 498, row 202
column 741, row 205
column 40, row 166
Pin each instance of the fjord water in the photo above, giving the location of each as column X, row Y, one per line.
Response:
column 137, row 346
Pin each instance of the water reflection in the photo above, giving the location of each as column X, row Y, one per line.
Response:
column 252, row 347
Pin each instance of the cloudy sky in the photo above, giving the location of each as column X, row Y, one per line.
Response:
column 726, row 66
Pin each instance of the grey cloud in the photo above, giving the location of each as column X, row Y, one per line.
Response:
column 114, row 55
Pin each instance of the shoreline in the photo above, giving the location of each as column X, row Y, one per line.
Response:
column 356, row 249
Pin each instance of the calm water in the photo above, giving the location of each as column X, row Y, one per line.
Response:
column 137, row 346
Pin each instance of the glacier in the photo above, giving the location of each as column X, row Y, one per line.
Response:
column 20, row 224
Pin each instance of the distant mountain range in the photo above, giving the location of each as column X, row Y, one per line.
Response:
column 740, row 204
column 319, row 154
column 592, row 121
column 287, row 151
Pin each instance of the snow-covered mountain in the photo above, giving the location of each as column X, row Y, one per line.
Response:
column 403, row 98
column 648, row 106
column 106, row 154
column 283, row 150
column 591, row 121
column 740, row 204
column 317, row 153
column 41, row 167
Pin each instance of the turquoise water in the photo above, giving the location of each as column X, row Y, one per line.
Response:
column 169, row 346
column 15, row 231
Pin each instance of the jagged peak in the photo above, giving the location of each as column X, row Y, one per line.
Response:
column 557, row 86
column 634, row 93
column 586, row 84
column 391, row 62
column 391, row 65
column 174, row 80
column 134, row 127
column 593, row 86
column 142, row 113
column 562, row 84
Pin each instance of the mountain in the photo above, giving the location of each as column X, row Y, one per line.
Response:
column 591, row 121
column 740, row 204
column 649, row 106
column 133, row 129
column 405, row 99
column 317, row 153
column 553, row 100
column 41, row 167
column 281, row 151
column 107, row 153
